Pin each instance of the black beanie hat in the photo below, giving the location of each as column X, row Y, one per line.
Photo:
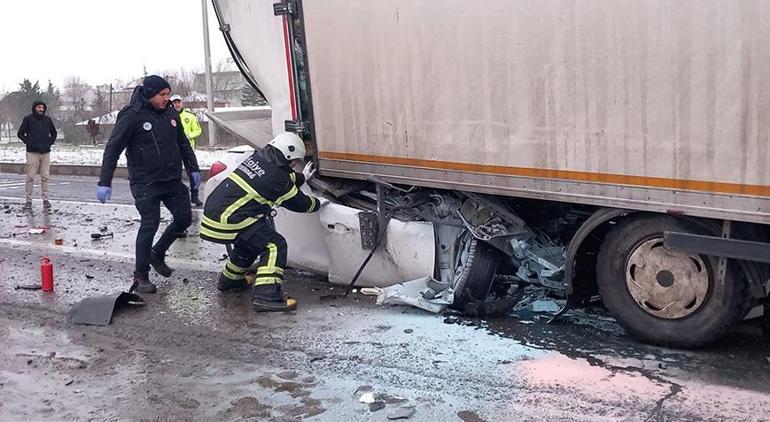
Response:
column 152, row 85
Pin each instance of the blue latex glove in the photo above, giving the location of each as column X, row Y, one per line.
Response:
column 103, row 193
column 196, row 179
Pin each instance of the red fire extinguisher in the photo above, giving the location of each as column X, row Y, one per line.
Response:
column 46, row 274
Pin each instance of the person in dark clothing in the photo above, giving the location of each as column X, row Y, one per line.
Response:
column 238, row 211
column 38, row 133
column 150, row 132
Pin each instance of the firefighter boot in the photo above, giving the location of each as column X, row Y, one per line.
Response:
column 158, row 263
column 142, row 283
column 270, row 298
column 225, row 284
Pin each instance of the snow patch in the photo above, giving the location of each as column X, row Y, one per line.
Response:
column 84, row 155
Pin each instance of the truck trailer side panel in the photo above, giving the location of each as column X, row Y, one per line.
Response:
column 652, row 105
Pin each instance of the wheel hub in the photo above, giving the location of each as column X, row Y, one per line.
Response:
column 665, row 283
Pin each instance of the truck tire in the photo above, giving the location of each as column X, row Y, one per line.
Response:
column 476, row 265
column 665, row 297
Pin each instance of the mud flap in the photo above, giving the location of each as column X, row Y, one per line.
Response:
column 98, row 310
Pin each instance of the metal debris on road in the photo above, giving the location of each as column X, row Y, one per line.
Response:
column 416, row 293
column 27, row 287
column 402, row 413
column 468, row 416
column 367, row 397
column 378, row 405
column 100, row 236
column 545, row 305
column 99, row 310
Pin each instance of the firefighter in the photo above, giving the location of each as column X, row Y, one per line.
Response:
column 192, row 129
column 238, row 211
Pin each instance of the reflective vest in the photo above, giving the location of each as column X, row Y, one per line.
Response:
column 192, row 129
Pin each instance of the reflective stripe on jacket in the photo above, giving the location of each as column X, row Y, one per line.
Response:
column 250, row 192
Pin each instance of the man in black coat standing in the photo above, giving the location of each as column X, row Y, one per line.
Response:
column 38, row 133
column 150, row 132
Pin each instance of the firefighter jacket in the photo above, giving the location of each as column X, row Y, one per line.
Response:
column 192, row 129
column 249, row 193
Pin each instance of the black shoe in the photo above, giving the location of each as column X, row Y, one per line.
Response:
column 225, row 284
column 263, row 305
column 195, row 201
column 27, row 206
column 270, row 298
column 158, row 263
column 142, row 284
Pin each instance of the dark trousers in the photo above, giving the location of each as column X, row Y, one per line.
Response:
column 173, row 194
column 193, row 190
column 259, row 240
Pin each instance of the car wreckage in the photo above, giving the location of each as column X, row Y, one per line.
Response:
column 471, row 151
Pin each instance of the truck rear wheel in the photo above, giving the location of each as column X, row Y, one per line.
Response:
column 661, row 296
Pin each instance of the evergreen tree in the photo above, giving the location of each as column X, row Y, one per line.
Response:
column 250, row 96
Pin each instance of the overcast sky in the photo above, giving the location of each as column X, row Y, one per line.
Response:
column 101, row 40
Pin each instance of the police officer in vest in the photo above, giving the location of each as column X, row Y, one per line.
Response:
column 238, row 211
column 148, row 129
column 192, row 129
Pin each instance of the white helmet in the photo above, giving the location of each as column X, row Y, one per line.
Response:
column 290, row 145
column 175, row 97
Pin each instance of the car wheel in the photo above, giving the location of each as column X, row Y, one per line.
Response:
column 476, row 263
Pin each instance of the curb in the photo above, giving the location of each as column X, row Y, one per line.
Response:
column 73, row 170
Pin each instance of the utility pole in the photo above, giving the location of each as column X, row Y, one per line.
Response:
column 209, row 79
column 110, row 98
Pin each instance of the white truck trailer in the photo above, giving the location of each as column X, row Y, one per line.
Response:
column 601, row 146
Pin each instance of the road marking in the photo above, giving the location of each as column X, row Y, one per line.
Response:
column 13, row 185
column 109, row 204
column 186, row 264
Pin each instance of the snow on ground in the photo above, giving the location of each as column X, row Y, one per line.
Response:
column 86, row 155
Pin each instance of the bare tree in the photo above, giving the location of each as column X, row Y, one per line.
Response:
column 227, row 81
column 76, row 96
column 182, row 82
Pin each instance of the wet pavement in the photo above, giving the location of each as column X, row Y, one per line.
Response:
column 193, row 353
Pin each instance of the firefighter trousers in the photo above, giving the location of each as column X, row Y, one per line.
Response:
column 259, row 240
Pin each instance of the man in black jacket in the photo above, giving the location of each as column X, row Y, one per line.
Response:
column 38, row 134
column 150, row 132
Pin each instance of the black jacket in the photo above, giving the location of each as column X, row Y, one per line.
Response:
column 37, row 132
column 154, row 142
column 262, row 181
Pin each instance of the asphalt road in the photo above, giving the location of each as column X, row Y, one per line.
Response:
column 66, row 188
column 193, row 353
